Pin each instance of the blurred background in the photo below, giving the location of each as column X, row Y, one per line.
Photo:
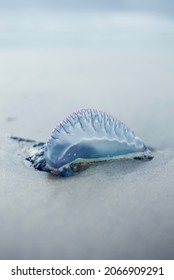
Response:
column 111, row 55
column 57, row 57
column 93, row 23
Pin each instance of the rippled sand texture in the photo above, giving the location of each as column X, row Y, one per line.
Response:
column 52, row 63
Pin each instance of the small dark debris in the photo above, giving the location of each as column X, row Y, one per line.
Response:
column 11, row 119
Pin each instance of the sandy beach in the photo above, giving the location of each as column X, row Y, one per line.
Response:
column 121, row 63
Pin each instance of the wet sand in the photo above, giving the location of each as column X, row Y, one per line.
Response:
column 119, row 210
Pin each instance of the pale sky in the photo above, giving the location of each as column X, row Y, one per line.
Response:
column 165, row 7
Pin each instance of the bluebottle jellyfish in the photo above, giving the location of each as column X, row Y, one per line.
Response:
column 85, row 137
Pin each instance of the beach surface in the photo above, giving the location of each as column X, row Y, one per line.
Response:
column 50, row 66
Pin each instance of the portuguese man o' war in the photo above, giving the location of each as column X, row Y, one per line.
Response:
column 85, row 137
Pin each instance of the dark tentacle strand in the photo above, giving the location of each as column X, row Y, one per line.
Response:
column 38, row 160
column 20, row 139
